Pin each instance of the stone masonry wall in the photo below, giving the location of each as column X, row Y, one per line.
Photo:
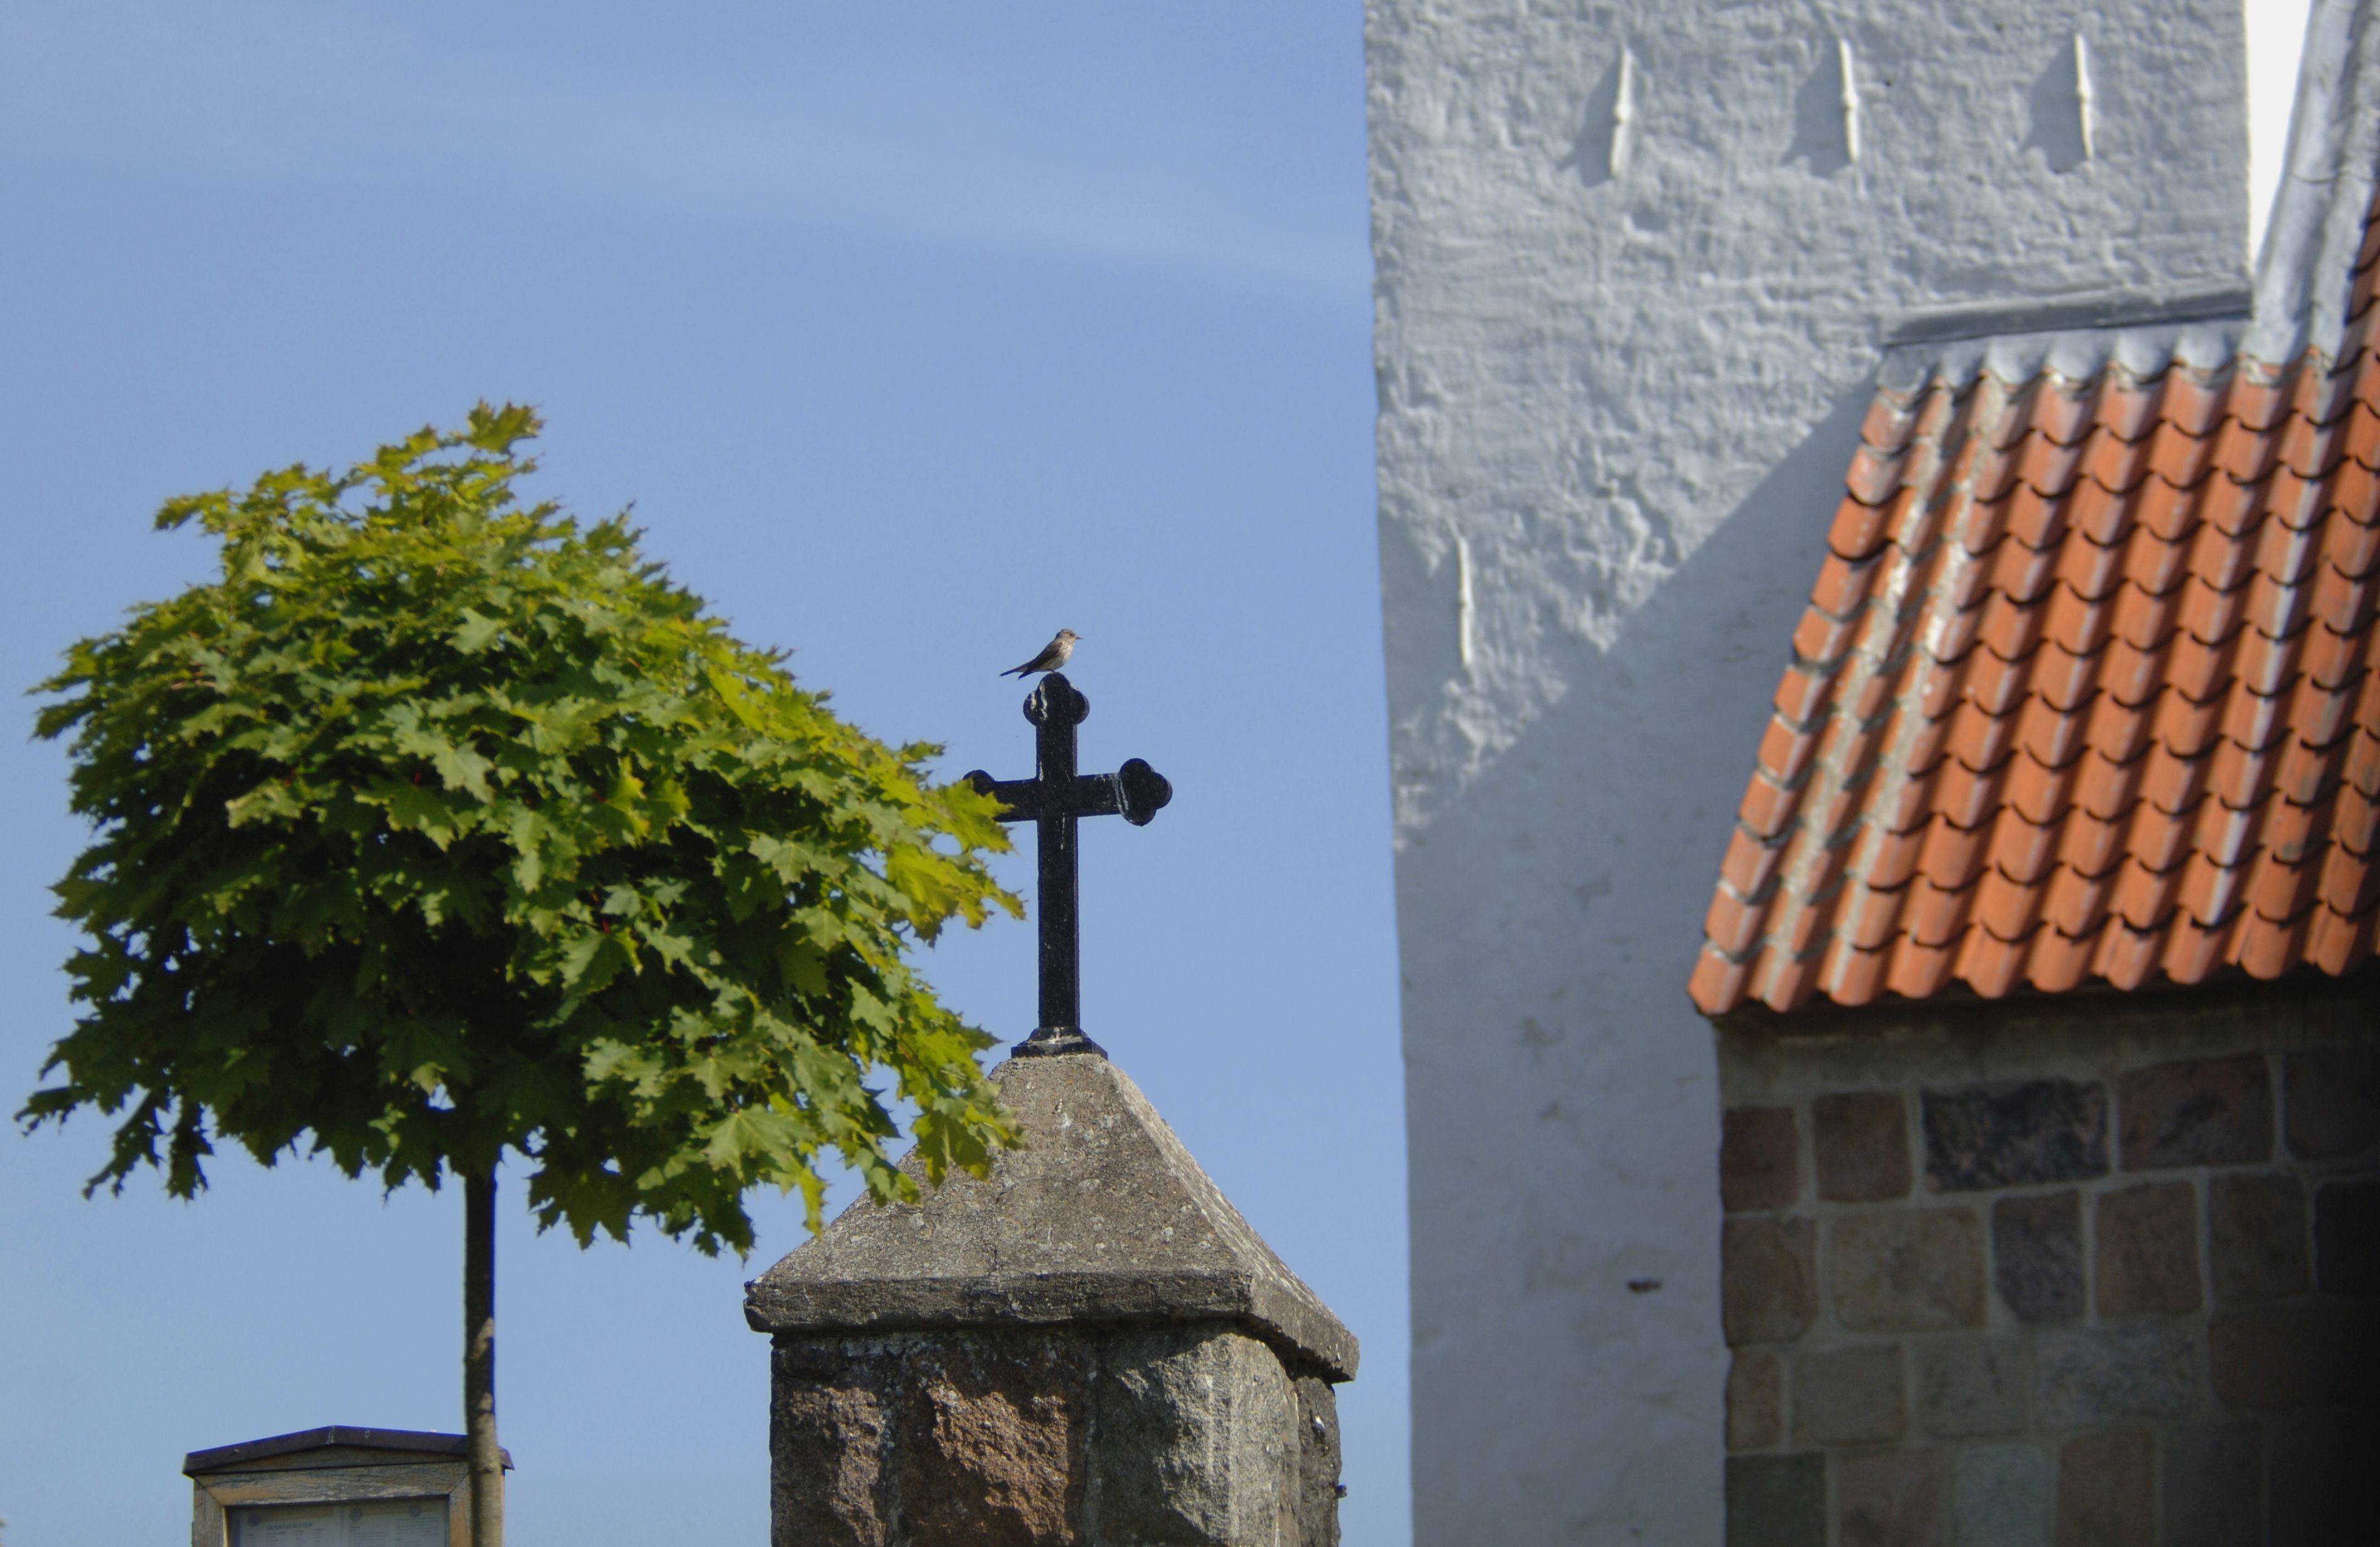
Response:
column 2102, row 1269
column 1186, row 1436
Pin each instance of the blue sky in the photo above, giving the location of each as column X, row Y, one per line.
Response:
column 914, row 333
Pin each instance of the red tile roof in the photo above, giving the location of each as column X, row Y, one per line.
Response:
column 2089, row 687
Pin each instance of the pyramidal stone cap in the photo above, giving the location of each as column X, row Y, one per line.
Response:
column 1101, row 1216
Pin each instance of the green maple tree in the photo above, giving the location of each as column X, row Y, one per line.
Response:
column 440, row 826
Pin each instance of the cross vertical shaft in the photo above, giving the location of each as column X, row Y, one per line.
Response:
column 1054, row 799
column 1061, row 889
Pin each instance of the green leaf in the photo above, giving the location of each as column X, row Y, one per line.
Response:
column 804, row 966
column 477, row 633
column 733, row 694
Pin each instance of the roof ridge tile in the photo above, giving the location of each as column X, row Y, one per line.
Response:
column 2256, row 402
column 2321, row 393
column 2123, row 409
column 1891, row 420
column 1876, row 475
column 2061, row 411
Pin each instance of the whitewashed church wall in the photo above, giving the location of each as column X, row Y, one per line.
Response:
column 1633, row 264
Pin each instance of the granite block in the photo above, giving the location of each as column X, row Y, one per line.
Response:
column 1861, row 1140
column 2148, row 1250
column 2196, row 1112
column 1769, row 1279
column 2000, row 1497
column 1759, row 1159
column 2330, row 1102
column 2106, row 1490
column 2017, row 1134
column 2256, row 1237
column 2213, row 1485
column 1908, row 1270
column 1755, row 1400
column 1971, row 1386
column 1890, row 1498
column 1776, row 1501
column 2038, row 1256
column 1849, row 1395
column 2347, row 1238
column 2084, row 1377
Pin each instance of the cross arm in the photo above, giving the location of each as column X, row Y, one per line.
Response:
column 1135, row 793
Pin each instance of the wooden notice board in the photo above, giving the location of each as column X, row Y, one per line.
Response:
column 334, row 1487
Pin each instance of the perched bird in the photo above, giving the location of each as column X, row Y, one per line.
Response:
column 1053, row 654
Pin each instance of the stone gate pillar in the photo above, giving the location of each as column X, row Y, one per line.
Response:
column 1090, row 1347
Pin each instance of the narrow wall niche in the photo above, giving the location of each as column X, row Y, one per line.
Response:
column 1623, row 141
column 2087, row 99
column 1851, row 100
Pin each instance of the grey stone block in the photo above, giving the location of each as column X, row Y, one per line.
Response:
column 2000, row 1497
column 1776, row 1501
column 2015, row 1135
column 1319, row 1457
column 2087, row 1377
column 1198, row 1442
column 1970, row 1386
column 2214, row 1475
column 1849, row 1395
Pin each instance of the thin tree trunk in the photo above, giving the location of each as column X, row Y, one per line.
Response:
column 479, row 1360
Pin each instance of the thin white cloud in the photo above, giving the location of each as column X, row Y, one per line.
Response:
column 1077, row 158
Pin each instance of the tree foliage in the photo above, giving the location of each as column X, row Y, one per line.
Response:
column 440, row 824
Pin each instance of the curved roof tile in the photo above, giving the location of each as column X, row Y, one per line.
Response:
column 2088, row 687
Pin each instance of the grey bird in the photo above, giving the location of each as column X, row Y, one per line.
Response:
column 1053, row 654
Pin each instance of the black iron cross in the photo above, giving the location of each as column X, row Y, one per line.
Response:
column 1055, row 797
